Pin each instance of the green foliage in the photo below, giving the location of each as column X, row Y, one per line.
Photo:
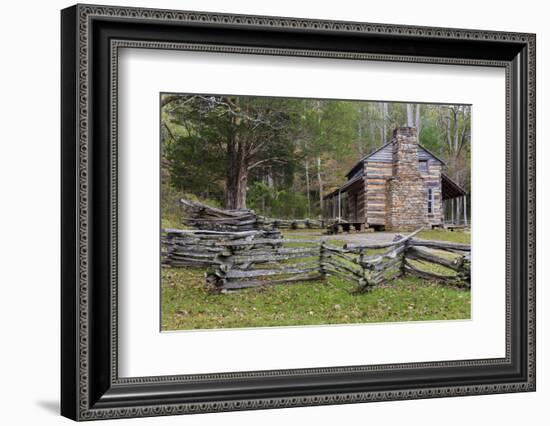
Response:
column 330, row 126
column 214, row 142
column 169, row 207
column 261, row 198
column 284, row 204
column 194, row 166
column 431, row 137
column 290, row 205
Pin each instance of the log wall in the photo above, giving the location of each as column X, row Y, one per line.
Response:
column 383, row 201
column 377, row 174
column 432, row 180
column 380, row 168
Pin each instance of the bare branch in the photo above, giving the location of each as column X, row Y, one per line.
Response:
column 267, row 160
column 169, row 131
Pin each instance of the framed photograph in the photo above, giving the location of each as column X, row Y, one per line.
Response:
column 263, row 212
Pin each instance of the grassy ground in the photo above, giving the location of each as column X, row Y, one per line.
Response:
column 187, row 304
column 171, row 222
column 441, row 235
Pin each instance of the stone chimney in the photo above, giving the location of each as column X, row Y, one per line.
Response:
column 406, row 198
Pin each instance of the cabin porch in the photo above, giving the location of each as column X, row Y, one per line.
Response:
column 344, row 207
column 456, row 205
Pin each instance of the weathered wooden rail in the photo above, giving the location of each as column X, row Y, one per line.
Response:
column 440, row 261
column 246, row 259
column 292, row 223
column 200, row 247
column 256, row 264
column 205, row 217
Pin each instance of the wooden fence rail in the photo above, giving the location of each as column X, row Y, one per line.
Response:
column 260, row 258
column 204, row 217
column 259, row 265
column 200, row 247
column 292, row 223
column 441, row 261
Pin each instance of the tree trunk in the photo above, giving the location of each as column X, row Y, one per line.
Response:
column 269, row 178
column 320, row 180
column 306, row 164
column 410, row 115
column 455, row 147
column 236, row 186
column 385, row 120
column 372, row 136
column 383, row 127
column 237, row 174
column 417, row 120
column 307, row 188
column 360, row 133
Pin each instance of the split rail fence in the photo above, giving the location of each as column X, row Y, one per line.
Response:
column 200, row 248
column 293, row 223
column 237, row 260
column 205, row 217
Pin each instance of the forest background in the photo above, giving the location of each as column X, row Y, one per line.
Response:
column 280, row 156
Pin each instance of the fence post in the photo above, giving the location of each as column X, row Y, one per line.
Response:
column 463, row 274
column 322, row 258
column 216, row 276
column 363, row 282
column 404, row 257
column 361, row 256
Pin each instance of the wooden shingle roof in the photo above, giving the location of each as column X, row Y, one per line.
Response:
column 380, row 154
column 450, row 189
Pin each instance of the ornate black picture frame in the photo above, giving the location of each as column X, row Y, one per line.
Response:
column 91, row 388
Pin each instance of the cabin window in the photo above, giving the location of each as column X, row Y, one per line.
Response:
column 423, row 166
column 430, row 200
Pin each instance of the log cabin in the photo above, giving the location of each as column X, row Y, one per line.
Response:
column 399, row 186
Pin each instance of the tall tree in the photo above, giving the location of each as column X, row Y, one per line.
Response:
column 456, row 122
column 330, row 127
column 410, row 115
column 247, row 132
column 417, row 120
